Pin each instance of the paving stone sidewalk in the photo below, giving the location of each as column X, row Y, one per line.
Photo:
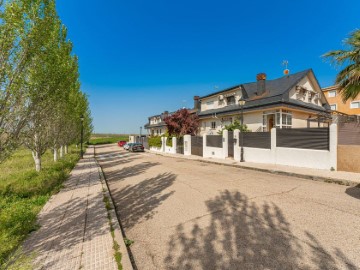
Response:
column 75, row 231
column 340, row 177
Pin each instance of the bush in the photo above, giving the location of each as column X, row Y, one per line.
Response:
column 233, row 126
column 155, row 141
column 169, row 141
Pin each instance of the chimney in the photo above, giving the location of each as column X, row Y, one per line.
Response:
column 196, row 102
column 261, row 78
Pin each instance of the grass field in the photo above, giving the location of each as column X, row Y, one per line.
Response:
column 23, row 192
column 107, row 138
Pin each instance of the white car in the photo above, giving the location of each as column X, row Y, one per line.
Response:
column 127, row 146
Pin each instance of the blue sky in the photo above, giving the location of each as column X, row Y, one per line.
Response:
column 139, row 58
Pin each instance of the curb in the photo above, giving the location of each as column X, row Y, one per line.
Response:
column 119, row 236
column 278, row 172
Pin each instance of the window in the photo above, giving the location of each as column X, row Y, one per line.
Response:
column 355, row 105
column 230, row 100
column 213, row 125
column 332, row 93
column 333, row 107
column 283, row 119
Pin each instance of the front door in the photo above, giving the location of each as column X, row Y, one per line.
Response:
column 270, row 123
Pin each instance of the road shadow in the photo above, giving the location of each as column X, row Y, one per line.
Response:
column 238, row 234
column 354, row 191
column 136, row 203
column 120, row 175
column 108, row 163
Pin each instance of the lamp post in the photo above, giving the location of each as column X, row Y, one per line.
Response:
column 82, row 135
column 140, row 139
column 242, row 103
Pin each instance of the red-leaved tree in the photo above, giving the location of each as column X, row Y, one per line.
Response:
column 182, row 123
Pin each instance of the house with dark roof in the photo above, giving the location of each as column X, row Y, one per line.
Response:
column 156, row 125
column 286, row 102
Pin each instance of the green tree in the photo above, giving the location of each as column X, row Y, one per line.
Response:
column 349, row 60
column 233, row 126
column 20, row 39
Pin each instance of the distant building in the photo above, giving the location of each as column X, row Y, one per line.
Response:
column 156, row 125
column 334, row 98
column 287, row 102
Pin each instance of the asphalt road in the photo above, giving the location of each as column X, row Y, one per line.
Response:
column 184, row 214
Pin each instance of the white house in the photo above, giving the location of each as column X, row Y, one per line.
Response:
column 292, row 101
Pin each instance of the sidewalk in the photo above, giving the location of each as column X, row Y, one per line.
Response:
column 339, row 177
column 74, row 226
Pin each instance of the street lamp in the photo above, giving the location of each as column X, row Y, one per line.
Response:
column 140, row 139
column 242, row 103
column 82, row 135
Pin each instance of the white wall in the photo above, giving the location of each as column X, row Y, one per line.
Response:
column 216, row 102
column 216, row 152
column 170, row 149
column 132, row 139
column 253, row 121
column 307, row 84
column 164, row 148
column 187, row 145
column 307, row 158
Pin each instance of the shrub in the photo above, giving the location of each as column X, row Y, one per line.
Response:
column 233, row 126
column 155, row 141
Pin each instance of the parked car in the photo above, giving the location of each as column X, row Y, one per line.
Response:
column 136, row 147
column 127, row 146
column 121, row 143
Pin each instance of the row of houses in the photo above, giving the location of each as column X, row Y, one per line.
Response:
column 292, row 101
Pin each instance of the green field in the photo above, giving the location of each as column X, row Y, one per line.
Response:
column 23, row 192
column 107, row 138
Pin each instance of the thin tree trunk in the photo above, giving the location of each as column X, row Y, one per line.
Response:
column 55, row 154
column 37, row 159
column 61, row 151
column 66, row 150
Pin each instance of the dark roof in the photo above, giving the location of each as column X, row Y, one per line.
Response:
column 274, row 94
column 161, row 124
column 274, row 87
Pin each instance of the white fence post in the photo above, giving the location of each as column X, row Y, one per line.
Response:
column 174, row 145
column 163, row 144
column 333, row 143
column 273, row 146
column 187, row 145
column 205, row 152
column 225, row 143
column 236, row 145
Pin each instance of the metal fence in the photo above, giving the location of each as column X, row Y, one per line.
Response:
column 305, row 138
column 180, row 145
column 214, row 141
column 197, row 145
column 349, row 133
column 255, row 139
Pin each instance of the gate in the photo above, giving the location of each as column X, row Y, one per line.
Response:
column 180, row 145
column 197, row 145
column 231, row 144
column 145, row 143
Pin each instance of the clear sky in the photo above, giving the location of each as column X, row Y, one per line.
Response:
column 139, row 57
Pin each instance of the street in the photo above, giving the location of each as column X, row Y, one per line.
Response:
column 184, row 214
